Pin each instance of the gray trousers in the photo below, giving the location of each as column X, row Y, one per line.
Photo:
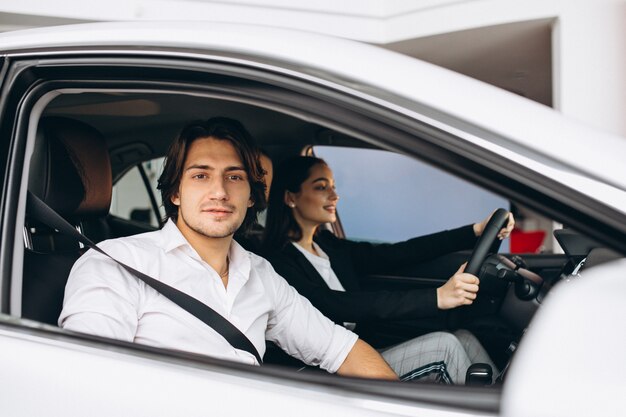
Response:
column 440, row 357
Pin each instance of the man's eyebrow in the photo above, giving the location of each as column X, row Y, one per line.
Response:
column 198, row 167
column 235, row 168
column 208, row 167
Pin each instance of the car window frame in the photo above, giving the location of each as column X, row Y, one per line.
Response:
column 486, row 403
column 394, row 131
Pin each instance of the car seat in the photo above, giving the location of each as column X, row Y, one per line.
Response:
column 70, row 171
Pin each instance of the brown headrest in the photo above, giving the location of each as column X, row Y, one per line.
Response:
column 70, row 169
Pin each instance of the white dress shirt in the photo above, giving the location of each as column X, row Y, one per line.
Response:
column 103, row 299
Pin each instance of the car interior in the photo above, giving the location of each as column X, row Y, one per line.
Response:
column 87, row 142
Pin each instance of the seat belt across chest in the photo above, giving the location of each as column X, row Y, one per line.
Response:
column 40, row 211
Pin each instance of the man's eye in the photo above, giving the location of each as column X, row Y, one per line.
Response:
column 235, row 177
column 199, row 176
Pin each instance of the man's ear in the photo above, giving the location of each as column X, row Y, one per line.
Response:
column 175, row 199
column 250, row 202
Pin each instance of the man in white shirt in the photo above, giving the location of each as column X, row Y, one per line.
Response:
column 212, row 184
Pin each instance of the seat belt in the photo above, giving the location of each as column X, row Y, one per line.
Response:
column 40, row 211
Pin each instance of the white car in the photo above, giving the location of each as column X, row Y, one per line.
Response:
column 136, row 84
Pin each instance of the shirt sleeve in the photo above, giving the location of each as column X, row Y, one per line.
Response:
column 100, row 299
column 302, row 331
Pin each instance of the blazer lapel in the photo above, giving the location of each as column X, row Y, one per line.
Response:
column 308, row 269
column 341, row 263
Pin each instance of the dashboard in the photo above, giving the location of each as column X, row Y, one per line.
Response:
column 527, row 289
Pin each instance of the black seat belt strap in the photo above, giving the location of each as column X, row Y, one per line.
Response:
column 40, row 211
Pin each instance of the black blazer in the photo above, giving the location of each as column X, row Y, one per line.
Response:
column 352, row 260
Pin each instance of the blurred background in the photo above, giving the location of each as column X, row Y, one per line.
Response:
column 567, row 54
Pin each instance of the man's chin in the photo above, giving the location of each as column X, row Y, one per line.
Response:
column 214, row 231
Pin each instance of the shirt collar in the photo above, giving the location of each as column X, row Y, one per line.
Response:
column 321, row 253
column 171, row 237
column 239, row 258
column 240, row 263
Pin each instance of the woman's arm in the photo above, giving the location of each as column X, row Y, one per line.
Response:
column 354, row 306
column 368, row 258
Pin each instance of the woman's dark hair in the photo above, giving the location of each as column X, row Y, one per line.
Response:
column 221, row 128
column 281, row 226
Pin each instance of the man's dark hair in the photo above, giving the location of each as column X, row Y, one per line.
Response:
column 281, row 226
column 221, row 128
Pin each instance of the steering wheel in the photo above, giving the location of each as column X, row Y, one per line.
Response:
column 486, row 240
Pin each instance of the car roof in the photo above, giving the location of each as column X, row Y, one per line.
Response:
column 387, row 78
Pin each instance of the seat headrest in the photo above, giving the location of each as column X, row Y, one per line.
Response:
column 70, row 168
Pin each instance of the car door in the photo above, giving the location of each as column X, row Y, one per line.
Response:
column 71, row 361
column 224, row 64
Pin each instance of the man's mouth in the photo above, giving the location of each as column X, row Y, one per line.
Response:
column 218, row 211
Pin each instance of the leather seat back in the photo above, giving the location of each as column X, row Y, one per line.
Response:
column 70, row 171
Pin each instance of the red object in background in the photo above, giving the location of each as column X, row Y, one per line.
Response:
column 527, row 241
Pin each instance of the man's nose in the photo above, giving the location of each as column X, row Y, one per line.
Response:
column 217, row 189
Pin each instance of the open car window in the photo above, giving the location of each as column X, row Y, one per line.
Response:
column 388, row 197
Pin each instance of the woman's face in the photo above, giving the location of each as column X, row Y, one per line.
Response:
column 316, row 202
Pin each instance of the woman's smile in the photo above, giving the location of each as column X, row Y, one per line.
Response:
column 316, row 202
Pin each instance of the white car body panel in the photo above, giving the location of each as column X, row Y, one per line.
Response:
column 553, row 370
column 122, row 384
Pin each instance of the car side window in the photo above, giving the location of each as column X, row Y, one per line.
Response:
column 388, row 197
column 135, row 194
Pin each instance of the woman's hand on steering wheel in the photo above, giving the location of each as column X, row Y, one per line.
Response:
column 503, row 233
column 459, row 290
column 500, row 222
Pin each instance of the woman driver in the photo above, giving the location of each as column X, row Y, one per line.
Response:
column 326, row 270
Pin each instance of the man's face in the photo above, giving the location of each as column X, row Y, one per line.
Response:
column 214, row 192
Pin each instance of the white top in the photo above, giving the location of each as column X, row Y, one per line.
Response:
column 322, row 265
column 103, row 299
